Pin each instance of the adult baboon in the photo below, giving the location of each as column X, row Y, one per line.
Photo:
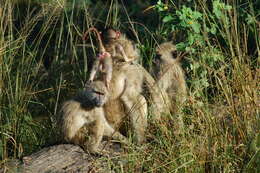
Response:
column 83, row 117
column 127, row 102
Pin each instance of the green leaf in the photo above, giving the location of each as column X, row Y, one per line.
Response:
column 228, row 7
column 159, row 2
column 167, row 18
column 196, row 15
column 213, row 29
column 196, row 27
column 181, row 46
column 250, row 19
column 191, row 39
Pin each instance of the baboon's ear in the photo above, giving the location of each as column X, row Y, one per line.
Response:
column 174, row 54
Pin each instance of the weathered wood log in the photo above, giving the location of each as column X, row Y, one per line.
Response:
column 67, row 158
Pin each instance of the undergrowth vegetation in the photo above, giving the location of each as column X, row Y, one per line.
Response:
column 44, row 61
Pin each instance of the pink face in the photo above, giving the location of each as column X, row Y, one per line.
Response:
column 118, row 33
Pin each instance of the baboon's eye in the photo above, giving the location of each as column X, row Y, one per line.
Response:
column 158, row 57
column 174, row 54
column 99, row 93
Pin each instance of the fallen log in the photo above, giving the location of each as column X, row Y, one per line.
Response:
column 67, row 158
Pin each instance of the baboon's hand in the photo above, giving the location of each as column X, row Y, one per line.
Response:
column 120, row 48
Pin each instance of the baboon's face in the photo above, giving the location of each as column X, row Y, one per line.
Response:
column 158, row 59
column 110, row 35
column 165, row 53
column 97, row 93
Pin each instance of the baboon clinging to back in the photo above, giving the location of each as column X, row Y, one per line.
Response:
column 170, row 75
column 103, row 61
column 119, row 46
column 85, row 113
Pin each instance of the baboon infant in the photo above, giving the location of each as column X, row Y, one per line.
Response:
column 119, row 46
column 85, row 112
column 103, row 61
column 170, row 75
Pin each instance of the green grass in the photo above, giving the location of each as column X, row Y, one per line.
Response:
column 218, row 127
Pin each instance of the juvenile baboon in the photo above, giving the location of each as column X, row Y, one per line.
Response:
column 119, row 46
column 103, row 61
column 170, row 75
column 85, row 112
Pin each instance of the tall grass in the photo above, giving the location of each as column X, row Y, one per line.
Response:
column 22, row 77
column 217, row 129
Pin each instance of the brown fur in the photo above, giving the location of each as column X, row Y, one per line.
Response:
column 83, row 121
column 105, row 64
column 119, row 46
column 126, row 93
column 170, row 75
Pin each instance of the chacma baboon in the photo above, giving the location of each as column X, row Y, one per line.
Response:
column 120, row 47
column 127, row 102
column 85, row 112
column 103, row 61
column 170, row 75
